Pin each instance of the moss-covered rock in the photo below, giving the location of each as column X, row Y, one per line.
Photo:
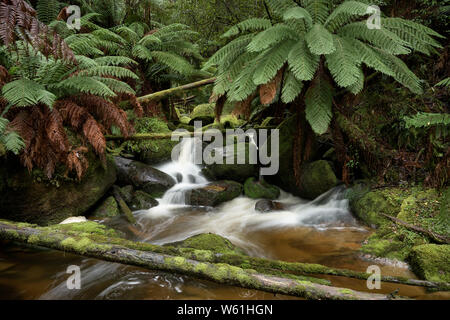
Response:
column 185, row 119
column 151, row 151
column 203, row 113
column 260, row 189
column 107, row 209
column 417, row 206
column 431, row 262
column 186, row 127
column 31, row 198
column 316, row 178
column 208, row 241
column 265, row 206
column 214, row 193
column 142, row 201
column 230, row 169
column 126, row 193
column 231, row 121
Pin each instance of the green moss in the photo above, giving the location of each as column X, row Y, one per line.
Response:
column 107, row 209
column 185, row 120
column 431, row 262
column 260, row 189
column 203, row 110
column 209, row 242
column 82, row 245
column 317, row 178
column 88, row 228
column 231, row 121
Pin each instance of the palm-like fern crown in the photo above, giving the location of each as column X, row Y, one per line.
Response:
column 293, row 50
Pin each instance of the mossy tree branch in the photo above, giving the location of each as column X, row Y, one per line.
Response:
column 83, row 243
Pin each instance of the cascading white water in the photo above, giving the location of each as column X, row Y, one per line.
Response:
column 237, row 218
column 185, row 172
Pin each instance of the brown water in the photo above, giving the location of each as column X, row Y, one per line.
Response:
column 31, row 273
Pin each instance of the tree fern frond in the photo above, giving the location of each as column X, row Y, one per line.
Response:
column 174, row 62
column 114, row 71
column 358, row 86
column 291, row 87
column 12, row 142
column 142, row 52
column 302, row 62
column 318, row 100
column 243, row 86
column 319, row 10
column 149, row 39
column 401, row 72
column 253, row 24
column 271, row 61
column 279, row 7
column 343, row 63
column 423, row 119
column 114, row 61
column 381, row 38
column 25, row 92
column 47, row 10
column 344, row 13
column 320, row 40
column 232, row 49
column 85, row 84
column 443, row 83
column 298, row 13
column 271, row 36
column 128, row 34
column 116, row 85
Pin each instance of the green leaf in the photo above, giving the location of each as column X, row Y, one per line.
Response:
column 318, row 100
column 320, row 40
column 25, row 92
column 302, row 62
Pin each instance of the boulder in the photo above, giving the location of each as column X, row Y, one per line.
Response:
column 260, row 189
column 208, row 241
column 233, row 171
column 142, row 201
column 107, row 209
column 268, row 206
column 214, row 193
column 143, row 176
column 431, row 262
column 316, row 178
column 204, row 113
column 29, row 197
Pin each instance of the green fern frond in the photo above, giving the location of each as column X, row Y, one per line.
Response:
column 279, row 7
column 302, row 62
column 149, row 39
column 343, row 63
column 142, row 52
column 113, row 71
column 358, row 86
column 174, row 62
column 291, row 87
column 370, row 57
column 115, row 61
column 318, row 100
column 25, row 92
column 298, row 13
column 427, row 120
column 320, row 40
column 253, row 24
column 344, row 14
column 270, row 37
column 47, row 10
column 85, row 84
column 116, row 85
column 12, row 142
column 443, row 83
column 381, row 38
column 243, row 86
column 127, row 33
column 271, row 61
column 401, row 72
column 227, row 53
column 319, row 10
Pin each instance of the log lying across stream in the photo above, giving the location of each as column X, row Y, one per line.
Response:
column 200, row 263
column 114, row 249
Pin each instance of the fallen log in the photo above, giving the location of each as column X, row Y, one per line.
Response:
column 432, row 235
column 123, row 205
column 164, row 93
column 86, row 245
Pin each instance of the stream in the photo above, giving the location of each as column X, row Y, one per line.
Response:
column 320, row 231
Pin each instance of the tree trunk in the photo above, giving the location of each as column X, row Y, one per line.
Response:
column 162, row 94
column 220, row 273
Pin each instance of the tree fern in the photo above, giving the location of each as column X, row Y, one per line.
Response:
column 313, row 37
column 25, row 92
column 423, row 119
column 47, row 10
column 10, row 139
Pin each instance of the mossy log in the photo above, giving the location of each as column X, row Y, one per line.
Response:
column 164, row 93
column 123, row 205
column 85, row 244
column 441, row 239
